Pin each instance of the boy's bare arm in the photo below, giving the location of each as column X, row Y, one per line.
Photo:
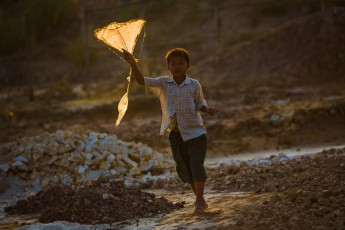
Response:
column 131, row 61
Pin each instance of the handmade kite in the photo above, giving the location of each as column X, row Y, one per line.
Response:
column 123, row 35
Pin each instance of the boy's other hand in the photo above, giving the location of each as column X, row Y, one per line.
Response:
column 211, row 111
column 128, row 56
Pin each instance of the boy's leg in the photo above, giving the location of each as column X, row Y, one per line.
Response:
column 181, row 158
column 197, row 152
column 199, row 191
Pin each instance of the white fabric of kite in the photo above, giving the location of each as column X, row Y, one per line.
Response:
column 122, row 35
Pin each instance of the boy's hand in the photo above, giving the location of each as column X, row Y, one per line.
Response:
column 211, row 111
column 128, row 56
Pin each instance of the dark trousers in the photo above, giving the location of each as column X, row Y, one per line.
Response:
column 189, row 157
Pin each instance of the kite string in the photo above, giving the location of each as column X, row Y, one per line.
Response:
column 142, row 42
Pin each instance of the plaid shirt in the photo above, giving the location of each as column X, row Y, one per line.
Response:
column 180, row 102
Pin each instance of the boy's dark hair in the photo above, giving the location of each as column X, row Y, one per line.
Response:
column 177, row 52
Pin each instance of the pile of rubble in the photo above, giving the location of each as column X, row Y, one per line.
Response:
column 276, row 173
column 103, row 201
column 78, row 156
column 307, row 191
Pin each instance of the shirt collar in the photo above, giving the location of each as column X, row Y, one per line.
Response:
column 185, row 82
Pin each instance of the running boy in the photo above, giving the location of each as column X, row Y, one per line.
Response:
column 181, row 100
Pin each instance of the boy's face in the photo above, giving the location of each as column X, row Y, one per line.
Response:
column 178, row 66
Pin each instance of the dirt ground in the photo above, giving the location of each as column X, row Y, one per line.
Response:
column 304, row 193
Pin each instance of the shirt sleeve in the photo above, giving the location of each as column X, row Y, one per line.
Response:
column 199, row 97
column 155, row 85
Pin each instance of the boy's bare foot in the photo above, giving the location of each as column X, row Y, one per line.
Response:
column 205, row 205
column 199, row 208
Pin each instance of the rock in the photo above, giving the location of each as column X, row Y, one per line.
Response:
column 53, row 159
column 23, row 175
column 227, row 180
column 97, row 161
column 89, row 156
column 281, row 155
column 20, row 166
column 66, row 180
column 129, row 162
column 134, row 157
column 145, row 167
column 59, row 136
column 28, row 148
column 36, row 156
column 111, row 158
column 105, row 165
column 146, row 153
column 45, row 182
column 22, row 159
column 135, row 171
column 88, row 162
column 5, row 167
column 62, row 149
column 81, row 169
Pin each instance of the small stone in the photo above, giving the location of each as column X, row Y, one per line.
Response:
column 53, row 159
column 60, row 136
column 105, row 196
column 20, row 166
column 111, row 158
column 36, row 156
column 281, row 155
column 81, row 169
column 134, row 157
column 88, row 162
column 45, row 182
column 23, row 175
column 128, row 161
column 5, row 167
column 134, row 171
column 96, row 161
column 22, row 159
column 227, row 180
column 105, row 165
column 62, row 149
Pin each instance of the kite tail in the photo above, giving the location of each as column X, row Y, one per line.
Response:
column 123, row 103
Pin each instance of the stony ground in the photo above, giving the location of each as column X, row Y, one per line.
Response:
column 308, row 193
column 275, row 193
